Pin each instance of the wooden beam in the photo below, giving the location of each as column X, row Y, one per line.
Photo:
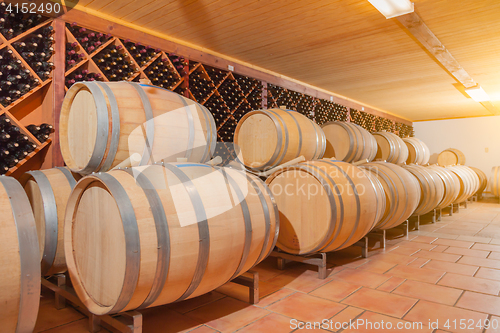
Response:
column 426, row 37
column 119, row 28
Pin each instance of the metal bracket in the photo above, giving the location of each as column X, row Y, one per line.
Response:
column 125, row 322
column 309, row 259
column 252, row 282
column 440, row 214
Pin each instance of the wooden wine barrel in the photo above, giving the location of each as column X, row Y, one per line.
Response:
column 451, row 185
column 402, row 192
column 418, row 152
column 483, row 181
column 469, row 182
column 348, row 142
column 48, row 192
column 451, row 156
column 390, row 148
column 267, row 138
column 104, row 123
column 431, row 186
column 20, row 264
column 136, row 239
column 324, row 205
column 495, row 181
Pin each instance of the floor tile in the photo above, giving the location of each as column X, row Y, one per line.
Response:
column 470, row 283
column 437, row 256
column 424, row 239
column 494, row 255
column 240, row 292
column 428, row 292
column 452, row 267
column 442, row 235
column 452, row 242
column 419, row 262
column 343, row 317
column 193, row 303
column 161, row 319
column 274, row 297
column 417, row 245
column 299, row 279
column 482, row 240
column 488, row 273
column 459, row 232
column 335, row 290
column 267, row 269
column 486, row 247
column 440, row 248
column 368, row 324
column 393, row 258
column 480, row 302
column 418, row 274
column 381, row 302
column 495, row 242
column 391, row 284
column 306, row 307
column 203, row 329
column 227, row 314
column 377, row 266
column 426, row 311
column 79, row 326
column 361, row 277
column 405, row 250
column 467, row 252
column 271, row 323
column 49, row 316
column 490, row 263
column 494, row 326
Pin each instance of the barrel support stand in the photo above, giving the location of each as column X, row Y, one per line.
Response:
column 451, row 210
column 316, row 259
column 125, row 322
column 440, row 214
column 252, row 282
column 434, row 216
column 363, row 242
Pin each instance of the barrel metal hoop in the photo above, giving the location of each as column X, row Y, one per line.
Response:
column 392, row 189
column 162, row 235
column 28, row 252
column 320, row 132
column 132, row 240
column 280, row 137
column 350, row 132
column 203, row 229
column 247, row 219
column 392, row 150
column 358, row 203
column 102, row 128
column 115, row 127
column 69, row 177
column 300, row 134
column 267, row 218
column 50, row 216
column 147, row 154
column 208, row 126
column 376, row 196
column 286, row 137
column 276, row 217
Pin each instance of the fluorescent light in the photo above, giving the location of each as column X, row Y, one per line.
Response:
column 393, row 8
column 478, row 94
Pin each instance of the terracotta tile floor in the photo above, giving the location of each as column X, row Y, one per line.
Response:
column 446, row 271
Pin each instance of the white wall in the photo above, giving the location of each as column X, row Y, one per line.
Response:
column 473, row 136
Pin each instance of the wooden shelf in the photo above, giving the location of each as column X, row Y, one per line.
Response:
column 25, row 161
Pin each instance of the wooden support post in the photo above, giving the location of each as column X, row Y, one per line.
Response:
column 252, row 282
column 58, row 84
column 61, row 283
column 264, row 95
column 309, row 259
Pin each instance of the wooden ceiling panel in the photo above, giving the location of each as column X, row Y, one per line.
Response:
column 344, row 46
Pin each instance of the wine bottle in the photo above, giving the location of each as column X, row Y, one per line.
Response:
column 10, row 161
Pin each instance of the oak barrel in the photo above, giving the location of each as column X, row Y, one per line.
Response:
column 104, row 123
column 418, row 152
column 48, row 192
column 451, row 156
column 325, row 205
column 153, row 235
column 469, row 182
column 348, row 142
column 495, row 181
column 483, row 180
column 390, row 148
column 402, row 192
column 431, row 186
column 20, row 264
column 268, row 138
column 451, row 185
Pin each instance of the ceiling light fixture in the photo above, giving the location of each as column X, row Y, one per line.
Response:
column 478, row 94
column 393, row 8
